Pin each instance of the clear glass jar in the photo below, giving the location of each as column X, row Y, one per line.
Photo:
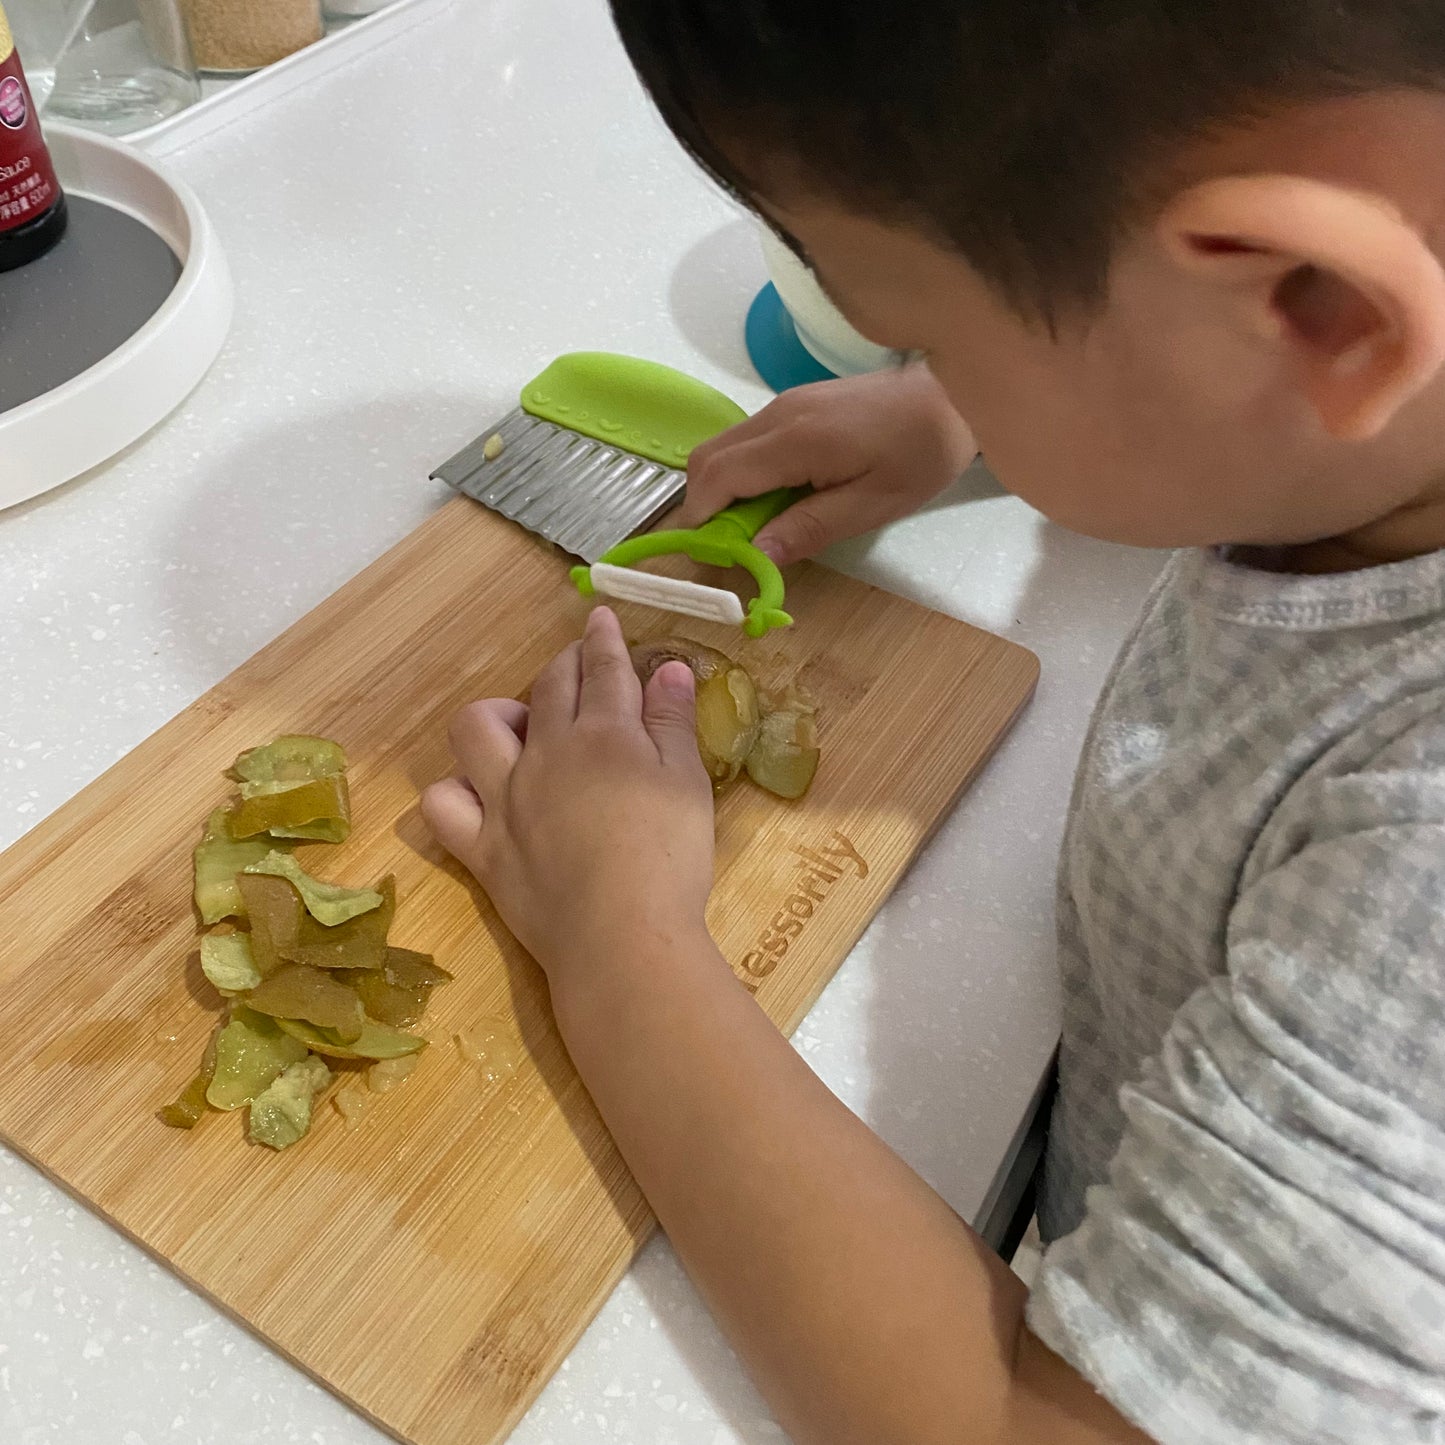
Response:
column 239, row 35
column 124, row 65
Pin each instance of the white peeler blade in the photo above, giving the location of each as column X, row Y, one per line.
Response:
column 691, row 599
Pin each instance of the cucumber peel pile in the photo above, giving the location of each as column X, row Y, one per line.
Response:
column 302, row 965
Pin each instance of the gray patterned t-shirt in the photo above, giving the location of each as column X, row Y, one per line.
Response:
column 1246, row 1172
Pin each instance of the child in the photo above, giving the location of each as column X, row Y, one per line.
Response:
column 1179, row 267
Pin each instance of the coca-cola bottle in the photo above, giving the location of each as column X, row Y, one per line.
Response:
column 32, row 205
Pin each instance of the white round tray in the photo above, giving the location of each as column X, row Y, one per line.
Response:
column 100, row 411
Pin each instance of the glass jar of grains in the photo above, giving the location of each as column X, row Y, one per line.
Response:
column 231, row 35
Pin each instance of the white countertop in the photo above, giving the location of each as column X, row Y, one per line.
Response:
column 413, row 237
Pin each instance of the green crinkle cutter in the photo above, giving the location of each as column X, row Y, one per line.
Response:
column 596, row 452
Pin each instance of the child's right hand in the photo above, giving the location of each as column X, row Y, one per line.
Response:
column 873, row 448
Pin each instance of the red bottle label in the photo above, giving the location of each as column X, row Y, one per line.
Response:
column 28, row 187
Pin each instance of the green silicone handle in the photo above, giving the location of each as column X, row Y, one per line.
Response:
column 640, row 406
column 755, row 513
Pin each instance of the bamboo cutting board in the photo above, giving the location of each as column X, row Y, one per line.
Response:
column 434, row 1265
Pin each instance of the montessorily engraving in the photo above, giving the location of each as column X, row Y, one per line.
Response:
column 818, row 870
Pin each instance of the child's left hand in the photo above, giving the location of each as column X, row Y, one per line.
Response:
column 851, row 1288
column 587, row 816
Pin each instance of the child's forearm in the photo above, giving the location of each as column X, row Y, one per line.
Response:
column 862, row 1305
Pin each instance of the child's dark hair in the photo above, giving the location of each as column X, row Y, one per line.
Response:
column 1025, row 133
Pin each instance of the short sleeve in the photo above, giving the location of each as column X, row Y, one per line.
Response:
column 1266, row 1259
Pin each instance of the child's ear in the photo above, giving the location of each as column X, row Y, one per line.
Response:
column 1342, row 281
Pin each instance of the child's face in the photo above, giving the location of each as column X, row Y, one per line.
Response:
column 1160, row 419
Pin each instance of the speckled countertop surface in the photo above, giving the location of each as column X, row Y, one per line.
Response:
column 412, row 237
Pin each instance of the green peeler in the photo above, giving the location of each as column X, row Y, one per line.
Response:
column 725, row 541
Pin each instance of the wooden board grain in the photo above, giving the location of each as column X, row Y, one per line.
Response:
column 435, row 1264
